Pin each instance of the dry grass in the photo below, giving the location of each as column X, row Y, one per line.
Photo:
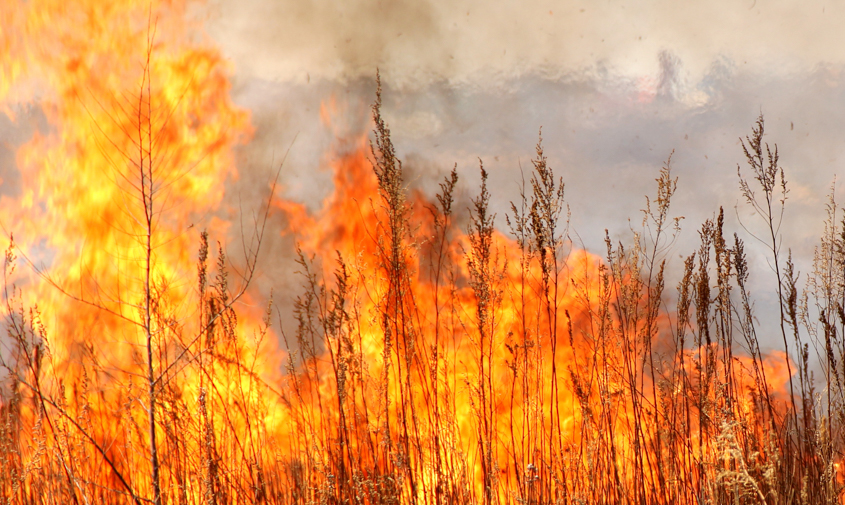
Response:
column 450, row 367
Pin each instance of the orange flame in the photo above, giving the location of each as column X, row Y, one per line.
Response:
column 142, row 131
column 544, row 391
column 420, row 370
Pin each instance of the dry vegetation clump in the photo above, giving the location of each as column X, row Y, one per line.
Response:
column 433, row 365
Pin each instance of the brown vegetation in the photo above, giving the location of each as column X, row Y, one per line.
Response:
column 431, row 364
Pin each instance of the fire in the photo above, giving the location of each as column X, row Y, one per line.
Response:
column 433, row 358
column 520, row 412
column 140, row 147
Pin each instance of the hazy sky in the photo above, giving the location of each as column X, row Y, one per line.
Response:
column 480, row 42
column 616, row 86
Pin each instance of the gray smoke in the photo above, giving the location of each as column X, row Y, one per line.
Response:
column 616, row 87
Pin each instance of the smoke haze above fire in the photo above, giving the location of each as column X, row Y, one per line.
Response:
column 480, row 43
column 616, row 87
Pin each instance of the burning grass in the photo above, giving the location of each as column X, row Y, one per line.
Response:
column 427, row 361
column 431, row 364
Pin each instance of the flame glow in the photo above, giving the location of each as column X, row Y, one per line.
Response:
column 428, row 363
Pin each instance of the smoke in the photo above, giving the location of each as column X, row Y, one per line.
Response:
column 616, row 88
column 483, row 43
column 13, row 134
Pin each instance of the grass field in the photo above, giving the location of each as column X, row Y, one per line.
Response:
column 435, row 356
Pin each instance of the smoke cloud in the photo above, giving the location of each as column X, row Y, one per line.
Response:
column 482, row 43
column 616, row 87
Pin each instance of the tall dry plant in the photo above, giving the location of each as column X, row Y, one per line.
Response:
column 158, row 428
column 443, row 362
